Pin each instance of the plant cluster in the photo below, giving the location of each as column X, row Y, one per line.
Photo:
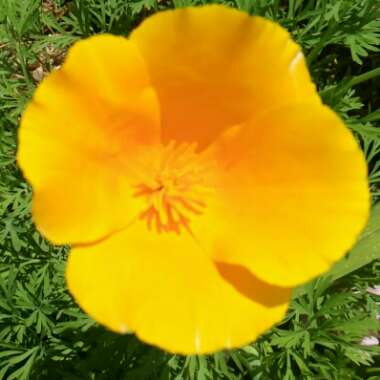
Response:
column 44, row 335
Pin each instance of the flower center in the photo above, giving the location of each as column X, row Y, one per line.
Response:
column 176, row 189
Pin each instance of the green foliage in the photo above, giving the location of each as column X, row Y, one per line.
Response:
column 43, row 334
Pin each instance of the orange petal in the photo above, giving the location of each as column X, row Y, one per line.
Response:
column 214, row 67
column 291, row 195
column 162, row 287
column 79, row 134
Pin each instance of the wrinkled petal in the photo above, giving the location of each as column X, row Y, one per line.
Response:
column 79, row 135
column 165, row 289
column 291, row 195
column 370, row 341
column 374, row 290
column 214, row 67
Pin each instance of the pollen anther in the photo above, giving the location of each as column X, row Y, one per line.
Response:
column 177, row 191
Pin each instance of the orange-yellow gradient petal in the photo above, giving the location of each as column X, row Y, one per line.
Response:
column 215, row 66
column 79, row 134
column 291, row 195
column 166, row 290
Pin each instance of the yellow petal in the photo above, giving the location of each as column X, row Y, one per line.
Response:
column 165, row 289
column 291, row 195
column 79, row 134
column 214, row 67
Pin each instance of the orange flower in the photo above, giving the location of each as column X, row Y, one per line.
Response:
column 196, row 174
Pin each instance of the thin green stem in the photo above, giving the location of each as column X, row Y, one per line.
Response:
column 23, row 64
column 354, row 81
column 364, row 77
column 313, row 55
column 373, row 116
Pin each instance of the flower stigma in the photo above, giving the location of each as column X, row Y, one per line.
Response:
column 176, row 189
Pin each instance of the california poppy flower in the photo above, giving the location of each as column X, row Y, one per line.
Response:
column 196, row 174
